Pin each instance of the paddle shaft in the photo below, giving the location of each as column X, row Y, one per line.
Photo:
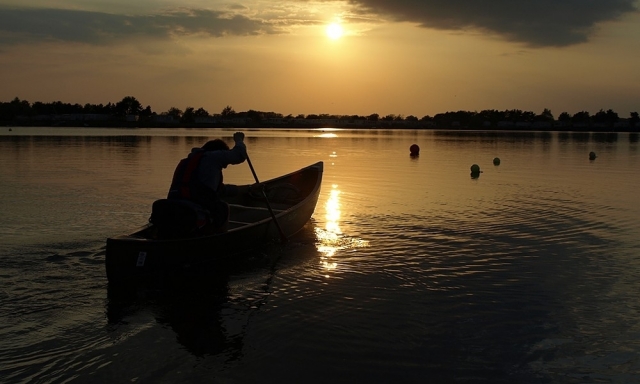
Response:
column 283, row 237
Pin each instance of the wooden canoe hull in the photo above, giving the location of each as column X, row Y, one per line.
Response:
column 139, row 256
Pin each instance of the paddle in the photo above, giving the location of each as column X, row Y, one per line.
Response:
column 283, row 237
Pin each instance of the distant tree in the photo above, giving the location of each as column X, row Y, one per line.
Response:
column 40, row 108
column 513, row 115
column 634, row 118
column 300, row 116
column 77, row 108
column 443, row 119
column 373, row 117
column 389, row 117
column 411, row 118
column 581, row 117
column 227, row 111
column 20, row 107
column 528, row 116
column 256, row 116
column 146, row 112
column 271, row 115
column 564, row 117
column 108, row 109
column 129, row 105
column 88, row 108
column 546, row 115
column 16, row 107
column 175, row 112
column 600, row 116
column 492, row 116
column 188, row 116
column 201, row 112
column 612, row 117
column 454, row 119
column 608, row 117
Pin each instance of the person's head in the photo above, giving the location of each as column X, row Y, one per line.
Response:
column 215, row 145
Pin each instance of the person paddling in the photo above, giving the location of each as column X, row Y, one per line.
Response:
column 198, row 177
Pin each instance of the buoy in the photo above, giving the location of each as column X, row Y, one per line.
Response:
column 414, row 150
column 496, row 161
column 475, row 171
column 592, row 156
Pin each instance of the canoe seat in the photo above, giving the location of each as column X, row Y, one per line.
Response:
column 284, row 193
column 248, row 214
column 236, row 224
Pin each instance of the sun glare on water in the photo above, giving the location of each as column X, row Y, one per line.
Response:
column 334, row 31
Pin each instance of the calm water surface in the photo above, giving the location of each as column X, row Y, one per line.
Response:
column 410, row 270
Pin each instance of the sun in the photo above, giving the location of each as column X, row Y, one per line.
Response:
column 334, row 31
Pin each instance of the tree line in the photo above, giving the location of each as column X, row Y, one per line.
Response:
column 130, row 106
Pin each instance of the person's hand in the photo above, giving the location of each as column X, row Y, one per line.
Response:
column 238, row 136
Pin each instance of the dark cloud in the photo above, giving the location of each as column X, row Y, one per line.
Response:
column 29, row 25
column 533, row 22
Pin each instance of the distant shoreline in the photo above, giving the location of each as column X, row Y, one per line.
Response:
column 297, row 124
column 129, row 113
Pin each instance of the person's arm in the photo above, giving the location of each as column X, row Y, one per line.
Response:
column 238, row 153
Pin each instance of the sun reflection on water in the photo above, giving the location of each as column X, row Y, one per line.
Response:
column 330, row 238
column 327, row 135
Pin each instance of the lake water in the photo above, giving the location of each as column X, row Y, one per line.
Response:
column 410, row 271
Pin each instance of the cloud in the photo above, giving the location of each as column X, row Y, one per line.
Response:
column 532, row 22
column 26, row 25
column 535, row 23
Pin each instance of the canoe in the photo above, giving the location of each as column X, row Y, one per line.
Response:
column 144, row 254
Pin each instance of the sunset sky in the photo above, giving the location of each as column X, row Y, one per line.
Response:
column 406, row 57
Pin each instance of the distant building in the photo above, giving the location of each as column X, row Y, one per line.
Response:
column 205, row 120
column 165, row 119
column 622, row 123
column 96, row 117
column 542, row 124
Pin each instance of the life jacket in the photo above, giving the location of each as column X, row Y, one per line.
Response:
column 178, row 217
column 185, row 180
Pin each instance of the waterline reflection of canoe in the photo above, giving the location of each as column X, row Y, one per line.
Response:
column 142, row 254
